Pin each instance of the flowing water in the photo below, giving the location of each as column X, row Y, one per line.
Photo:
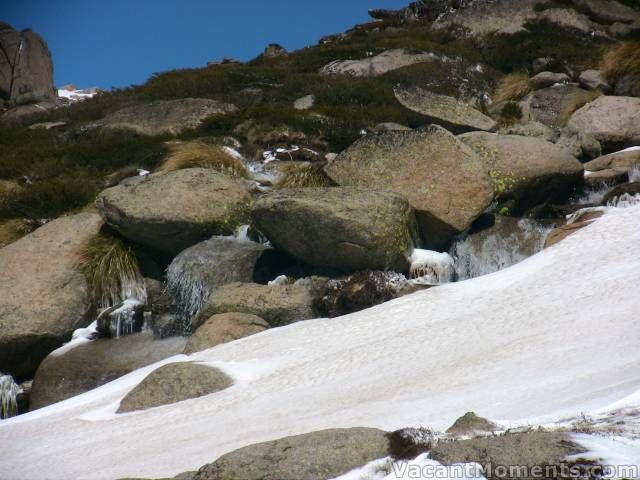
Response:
column 9, row 390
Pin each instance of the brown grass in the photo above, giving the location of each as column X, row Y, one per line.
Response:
column 12, row 230
column 111, row 269
column 513, row 86
column 197, row 154
column 302, row 176
column 622, row 60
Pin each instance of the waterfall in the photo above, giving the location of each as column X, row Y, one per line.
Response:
column 9, row 390
column 431, row 268
column 508, row 242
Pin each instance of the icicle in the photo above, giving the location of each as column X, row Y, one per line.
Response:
column 431, row 268
column 123, row 321
column 9, row 390
column 625, row 200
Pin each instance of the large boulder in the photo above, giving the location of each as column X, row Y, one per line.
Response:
column 608, row 11
column 617, row 163
column 66, row 373
column 166, row 116
column 277, row 304
column 453, row 114
column 223, row 328
column 174, row 210
column 173, row 383
column 198, row 270
column 376, row 65
column 553, row 106
column 613, row 121
column 525, row 171
column 43, row 294
column 444, row 180
column 26, row 68
column 529, row 449
column 311, row 456
column 345, row 228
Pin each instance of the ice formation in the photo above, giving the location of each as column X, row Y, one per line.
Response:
column 431, row 268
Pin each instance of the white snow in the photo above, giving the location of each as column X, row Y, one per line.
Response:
column 620, row 457
column 548, row 338
column 75, row 95
column 78, row 337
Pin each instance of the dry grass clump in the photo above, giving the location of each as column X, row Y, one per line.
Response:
column 302, row 176
column 111, row 269
column 14, row 229
column 198, row 154
column 621, row 62
column 513, row 86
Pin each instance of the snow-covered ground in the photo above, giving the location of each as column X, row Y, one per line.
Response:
column 549, row 338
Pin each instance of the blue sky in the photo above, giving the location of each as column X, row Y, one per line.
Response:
column 116, row 43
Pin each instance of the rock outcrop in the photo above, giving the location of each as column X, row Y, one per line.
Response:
column 454, row 115
column 444, row 180
column 174, row 210
column 344, row 228
column 223, row 328
column 311, row 456
column 613, row 121
column 166, row 116
column 174, row 382
column 377, row 65
column 553, row 106
column 43, row 294
column 92, row 364
column 26, row 67
column 525, row 171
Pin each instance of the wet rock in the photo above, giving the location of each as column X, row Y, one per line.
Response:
column 277, row 304
column 174, row 210
column 622, row 193
column 198, row 270
column 362, row 290
column 345, row 228
column 444, row 180
column 173, row 383
column 223, row 328
column 579, row 220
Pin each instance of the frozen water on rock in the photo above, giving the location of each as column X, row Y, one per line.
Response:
column 123, row 317
column 431, row 268
column 279, row 280
column 474, row 258
column 9, row 390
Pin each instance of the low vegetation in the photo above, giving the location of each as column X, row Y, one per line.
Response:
column 295, row 176
column 512, row 87
column 197, row 154
column 111, row 269
column 63, row 170
column 621, row 62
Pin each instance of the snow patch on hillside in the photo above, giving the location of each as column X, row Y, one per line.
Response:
column 549, row 338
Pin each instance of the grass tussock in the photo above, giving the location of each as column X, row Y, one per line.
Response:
column 198, row 154
column 12, row 230
column 111, row 269
column 621, row 62
column 303, row 176
column 511, row 113
column 512, row 87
